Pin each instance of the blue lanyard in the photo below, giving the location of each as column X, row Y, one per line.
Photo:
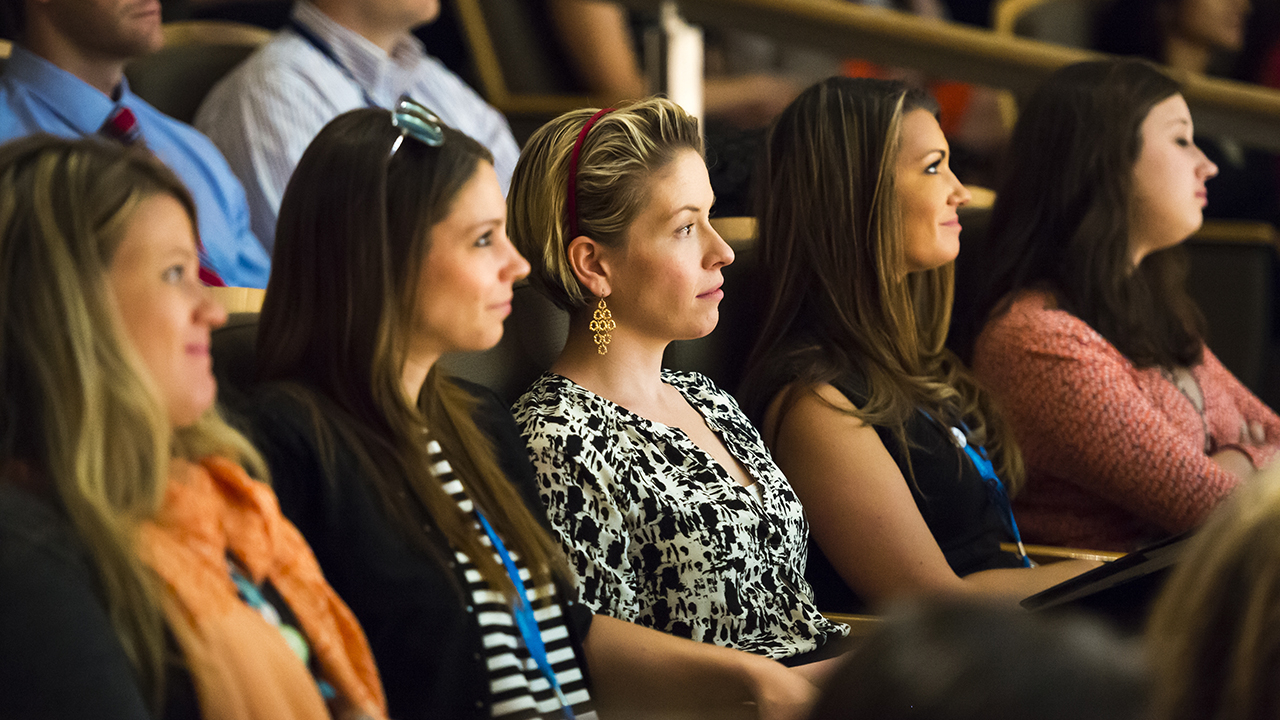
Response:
column 525, row 620
column 297, row 642
column 323, row 47
column 995, row 488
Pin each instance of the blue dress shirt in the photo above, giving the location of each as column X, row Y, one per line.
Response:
column 37, row 96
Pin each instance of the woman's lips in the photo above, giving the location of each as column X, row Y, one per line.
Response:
column 714, row 294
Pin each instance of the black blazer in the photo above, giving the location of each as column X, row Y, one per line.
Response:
column 427, row 646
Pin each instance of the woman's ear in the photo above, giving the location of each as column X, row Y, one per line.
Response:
column 590, row 266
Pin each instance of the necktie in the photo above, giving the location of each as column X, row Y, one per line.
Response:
column 121, row 125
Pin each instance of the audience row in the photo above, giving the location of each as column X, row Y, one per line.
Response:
column 634, row 542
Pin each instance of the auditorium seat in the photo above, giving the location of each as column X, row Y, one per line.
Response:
column 519, row 64
column 239, row 299
column 1062, row 22
column 195, row 56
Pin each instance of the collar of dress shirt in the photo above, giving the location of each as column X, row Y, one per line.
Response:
column 79, row 104
column 368, row 64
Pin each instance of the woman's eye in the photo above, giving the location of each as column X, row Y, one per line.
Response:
column 933, row 168
column 685, row 231
column 1183, row 142
column 484, row 240
column 174, row 274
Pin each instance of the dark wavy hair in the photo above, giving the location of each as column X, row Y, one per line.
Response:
column 840, row 299
column 1061, row 218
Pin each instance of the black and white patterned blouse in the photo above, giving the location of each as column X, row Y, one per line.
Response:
column 517, row 688
column 659, row 534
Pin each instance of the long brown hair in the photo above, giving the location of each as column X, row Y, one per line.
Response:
column 1061, row 218
column 353, row 234
column 840, row 298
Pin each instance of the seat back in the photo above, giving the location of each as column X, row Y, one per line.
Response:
column 1062, row 22
column 1231, row 278
column 196, row 55
column 522, row 72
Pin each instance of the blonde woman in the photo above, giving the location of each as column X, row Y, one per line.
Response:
column 145, row 574
column 672, row 511
column 415, row 488
column 1212, row 638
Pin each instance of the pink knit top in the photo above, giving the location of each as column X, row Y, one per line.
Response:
column 1115, row 454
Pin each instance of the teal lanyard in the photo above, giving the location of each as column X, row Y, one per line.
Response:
column 252, row 596
column 525, row 620
column 995, row 488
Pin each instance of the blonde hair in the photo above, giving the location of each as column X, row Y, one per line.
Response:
column 619, row 156
column 1214, row 633
column 80, row 414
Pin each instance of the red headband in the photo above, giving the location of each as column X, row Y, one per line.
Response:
column 572, row 211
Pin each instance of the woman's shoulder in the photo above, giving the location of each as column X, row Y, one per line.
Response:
column 554, row 399
column 280, row 408
column 1033, row 321
column 35, row 526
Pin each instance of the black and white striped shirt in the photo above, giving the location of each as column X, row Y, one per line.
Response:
column 517, row 688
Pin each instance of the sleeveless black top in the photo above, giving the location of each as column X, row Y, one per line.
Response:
column 950, row 493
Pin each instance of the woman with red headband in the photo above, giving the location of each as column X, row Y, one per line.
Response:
column 673, row 513
column 415, row 488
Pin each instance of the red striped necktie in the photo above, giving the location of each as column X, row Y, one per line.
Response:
column 121, row 125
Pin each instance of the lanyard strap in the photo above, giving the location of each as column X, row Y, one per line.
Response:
column 324, row 49
column 995, row 488
column 525, row 620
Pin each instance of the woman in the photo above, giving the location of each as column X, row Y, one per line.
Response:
column 1211, row 638
column 1201, row 37
column 145, row 574
column 879, row 428
column 392, row 250
column 1131, row 428
column 671, row 510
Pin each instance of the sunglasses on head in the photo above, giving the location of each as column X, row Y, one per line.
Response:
column 417, row 121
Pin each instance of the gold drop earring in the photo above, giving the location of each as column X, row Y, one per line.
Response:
column 602, row 325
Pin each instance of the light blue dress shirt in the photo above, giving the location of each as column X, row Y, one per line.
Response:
column 37, row 96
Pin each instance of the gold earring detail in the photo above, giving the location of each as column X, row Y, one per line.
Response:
column 602, row 325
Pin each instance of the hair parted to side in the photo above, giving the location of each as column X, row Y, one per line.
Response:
column 618, row 157
column 1062, row 214
column 353, row 233
column 841, row 299
column 1213, row 637
column 81, row 417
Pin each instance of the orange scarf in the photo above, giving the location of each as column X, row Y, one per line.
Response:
column 240, row 664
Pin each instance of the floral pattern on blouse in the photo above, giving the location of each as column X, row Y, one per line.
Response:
column 659, row 534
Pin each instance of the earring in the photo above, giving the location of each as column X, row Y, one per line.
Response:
column 602, row 325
